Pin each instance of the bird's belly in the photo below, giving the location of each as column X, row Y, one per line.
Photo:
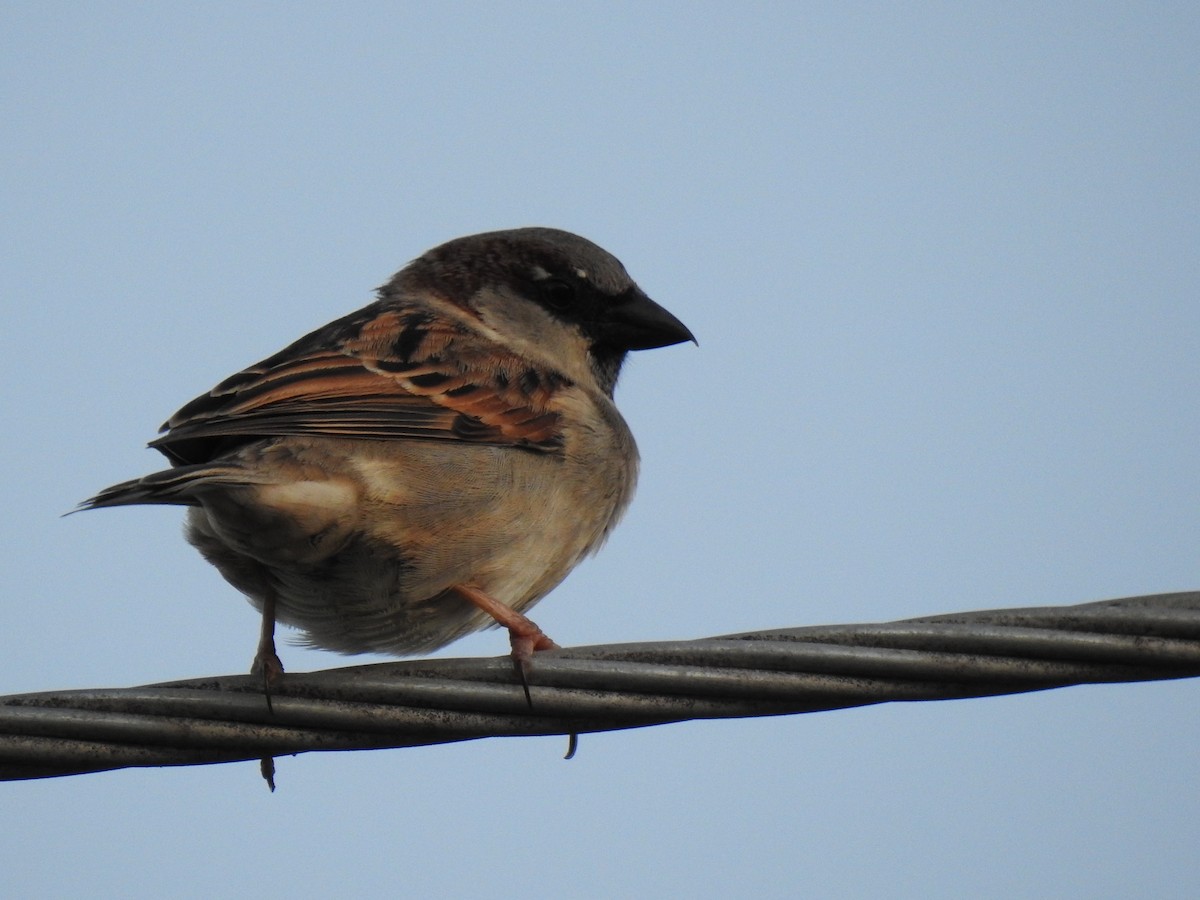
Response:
column 371, row 570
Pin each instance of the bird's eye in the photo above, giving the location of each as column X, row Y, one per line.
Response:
column 557, row 294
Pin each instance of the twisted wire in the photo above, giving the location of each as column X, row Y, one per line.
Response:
column 601, row 688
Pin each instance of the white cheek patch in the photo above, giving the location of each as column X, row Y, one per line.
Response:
column 582, row 273
column 525, row 328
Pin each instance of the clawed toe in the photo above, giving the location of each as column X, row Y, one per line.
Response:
column 524, row 635
column 525, row 643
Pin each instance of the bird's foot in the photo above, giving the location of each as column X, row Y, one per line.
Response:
column 527, row 639
column 268, row 665
column 524, row 635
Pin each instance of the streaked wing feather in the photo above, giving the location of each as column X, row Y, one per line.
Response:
column 388, row 372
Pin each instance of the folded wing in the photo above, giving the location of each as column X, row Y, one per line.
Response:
column 391, row 371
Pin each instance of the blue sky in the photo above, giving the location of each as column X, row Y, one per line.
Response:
column 942, row 262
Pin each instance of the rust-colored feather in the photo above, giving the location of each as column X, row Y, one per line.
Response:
column 391, row 371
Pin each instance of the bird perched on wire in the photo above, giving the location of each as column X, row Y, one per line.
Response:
column 429, row 465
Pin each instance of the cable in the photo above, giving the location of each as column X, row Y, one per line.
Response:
column 601, row 688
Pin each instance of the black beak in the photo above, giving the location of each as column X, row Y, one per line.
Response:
column 635, row 322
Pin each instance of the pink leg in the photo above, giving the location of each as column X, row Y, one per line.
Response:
column 523, row 634
column 266, row 660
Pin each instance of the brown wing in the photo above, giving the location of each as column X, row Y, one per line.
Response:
column 391, row 371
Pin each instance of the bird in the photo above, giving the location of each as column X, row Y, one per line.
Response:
column 427, row 466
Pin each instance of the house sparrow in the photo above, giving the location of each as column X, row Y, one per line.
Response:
column 429, row 465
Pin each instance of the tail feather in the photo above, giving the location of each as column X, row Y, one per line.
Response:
column 176, row 487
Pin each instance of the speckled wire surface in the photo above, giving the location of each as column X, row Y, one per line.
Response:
column 601, row 688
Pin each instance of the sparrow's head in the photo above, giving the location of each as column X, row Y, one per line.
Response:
column 548, row 294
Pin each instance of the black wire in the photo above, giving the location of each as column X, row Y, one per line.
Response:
column 601, row 688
